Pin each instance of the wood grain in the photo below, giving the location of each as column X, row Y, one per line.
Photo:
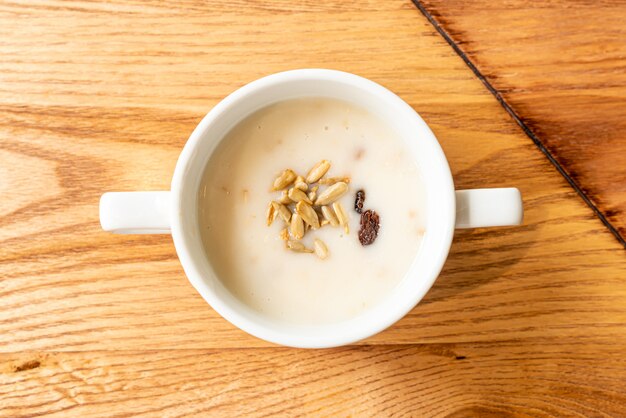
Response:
column 510, row 379
column 102, row 96
column 561, row 68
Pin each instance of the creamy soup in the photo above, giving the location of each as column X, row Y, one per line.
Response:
column 251, row 258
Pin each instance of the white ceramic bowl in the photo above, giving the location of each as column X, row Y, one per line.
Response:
column 176, row 211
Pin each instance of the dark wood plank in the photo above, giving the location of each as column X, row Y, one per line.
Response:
column 561, row 67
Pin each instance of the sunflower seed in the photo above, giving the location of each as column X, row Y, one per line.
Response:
column 282, row 211
column 308, row 214
column 318, row 171
column 297, row 226
column 333, row 180
column 298, row 195
column 301, row 184
column 320, row 249
column 331, row 194
column 297, row 246
column 271, row 213
column 324, row 222
column 284, row 234
column 284, row 179
column 329, row 216
column 341, row 216
column 284, row 198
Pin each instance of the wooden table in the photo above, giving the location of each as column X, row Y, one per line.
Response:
column 96, row 96
column 559, row 68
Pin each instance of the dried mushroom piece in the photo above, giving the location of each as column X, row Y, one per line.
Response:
column 370, row 224
column 359, row 201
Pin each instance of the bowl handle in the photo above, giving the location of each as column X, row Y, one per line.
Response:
column 135, row 212
column 478, row 208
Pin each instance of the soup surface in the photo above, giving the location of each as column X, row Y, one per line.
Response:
column 251, row 258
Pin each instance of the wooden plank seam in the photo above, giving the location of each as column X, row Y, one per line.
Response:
column 518, row 120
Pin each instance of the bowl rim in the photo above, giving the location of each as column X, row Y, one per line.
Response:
column 350, row 332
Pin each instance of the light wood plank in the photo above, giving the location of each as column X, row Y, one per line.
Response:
column 510, row 379
column 98, row 96
column 95, row 99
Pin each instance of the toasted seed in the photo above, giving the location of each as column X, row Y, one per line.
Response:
column 297, row 226
column 301, row 184
column 271, row 213
column 318, row 171
column 331, row 194
column 320, row 249
column 329, row 215
column 282, row 211
column 342, row 216
column 284, row 198
column 297, row 246
column 284, row 234
column 308, row 214
column 324, row 222
column 298, row 195
column 313, row 193
column 333, row 180
column 284, row 179
column 318, row 212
